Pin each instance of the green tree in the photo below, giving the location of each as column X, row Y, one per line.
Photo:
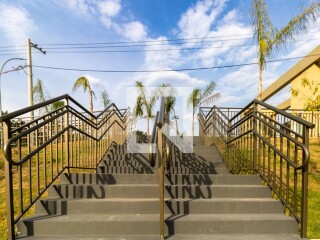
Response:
column 105, row 99
column 312, row 100
column 144, row 104
column 198, row 97
column 40, row 94
column 268, row 38
column 56, row 105
column 169, row 92
column 83, row 82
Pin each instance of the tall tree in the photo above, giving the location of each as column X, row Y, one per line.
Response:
column 268, row 38
column 169, row 92
column 144, row 104
column 40, row 94
column 84, row 83
column 105, row 98
column 198, row 97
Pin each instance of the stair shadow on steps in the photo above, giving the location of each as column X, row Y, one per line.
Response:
column 141, row 159
column 79, row 191
column 189, row 179
column 80, row 178
column 184, row 192
column 198, row 163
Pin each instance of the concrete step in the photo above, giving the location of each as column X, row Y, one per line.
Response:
column 117, row 237
column 144, row 157
column 204, row 157
column 125, row 170
column 177, row 179
column 148, row 224
column 198, row 170
column 65, row 206
column 217, row 191
column 105, row 178
column 234, row 236
column 91, row 224
column 224, row 206
column 200, row 164
column 212, row 179
column 104, row 191
column 123, row 163
column 231, row 224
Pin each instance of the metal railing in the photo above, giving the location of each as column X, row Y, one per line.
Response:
column 39, row 150
column 258, row 139
column 310, row 116
column 163, row 157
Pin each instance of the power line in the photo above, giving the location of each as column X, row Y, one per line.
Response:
column 145, row 41
column 169, row 70
column 160, row 50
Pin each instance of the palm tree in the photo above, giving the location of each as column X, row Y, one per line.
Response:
column 85, row 84
column 105, row 98
column 40, row 95
column 270, row 39
column 198, row 97
column 144, row 104
column 166, row 90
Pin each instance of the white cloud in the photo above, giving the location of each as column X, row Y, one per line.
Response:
column 109, row 8
column 16, row 23
column 198, row 20
column 133, row 31
column 82, row 8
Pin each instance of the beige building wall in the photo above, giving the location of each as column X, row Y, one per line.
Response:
column 313, row 76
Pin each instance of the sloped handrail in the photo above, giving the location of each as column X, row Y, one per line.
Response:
column 271, row 142
column 39, row 150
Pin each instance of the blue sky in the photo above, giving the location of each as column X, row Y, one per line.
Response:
column 92, row 21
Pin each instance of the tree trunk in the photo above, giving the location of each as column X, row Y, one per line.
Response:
column 90, row 99
column 260, row 84
column 175, row 117
column 193, row 124
column 148, row 125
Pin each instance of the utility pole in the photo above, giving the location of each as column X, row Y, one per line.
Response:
column 30, row 80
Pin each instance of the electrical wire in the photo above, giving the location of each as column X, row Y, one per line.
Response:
column 169, row 70
column 145, row 41
column 160, row 50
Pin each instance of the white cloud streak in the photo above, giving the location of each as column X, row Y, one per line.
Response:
column 16, row 23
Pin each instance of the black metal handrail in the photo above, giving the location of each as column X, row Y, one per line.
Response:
column 39, row 150
column 253, row 140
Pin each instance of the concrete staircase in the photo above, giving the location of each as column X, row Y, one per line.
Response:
column 120, row 201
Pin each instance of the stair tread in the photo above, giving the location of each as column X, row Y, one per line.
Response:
column 82, row 218
column 230, row 217
column 155, row 217
column 117, row 237
column 235, row 236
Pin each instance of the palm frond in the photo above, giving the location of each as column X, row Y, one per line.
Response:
column 211, row 99
column 105, row 98
column 296, row 25
column 81, row 82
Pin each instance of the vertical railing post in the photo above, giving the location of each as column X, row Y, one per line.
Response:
column 8, row 180
column 96, row 143
column 214, row 123
column 66, row 134
column 161, row 181
column 228, row 145
column 255, row 138
column 304, row 202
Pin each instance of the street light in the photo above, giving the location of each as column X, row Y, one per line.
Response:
column 1, row 76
